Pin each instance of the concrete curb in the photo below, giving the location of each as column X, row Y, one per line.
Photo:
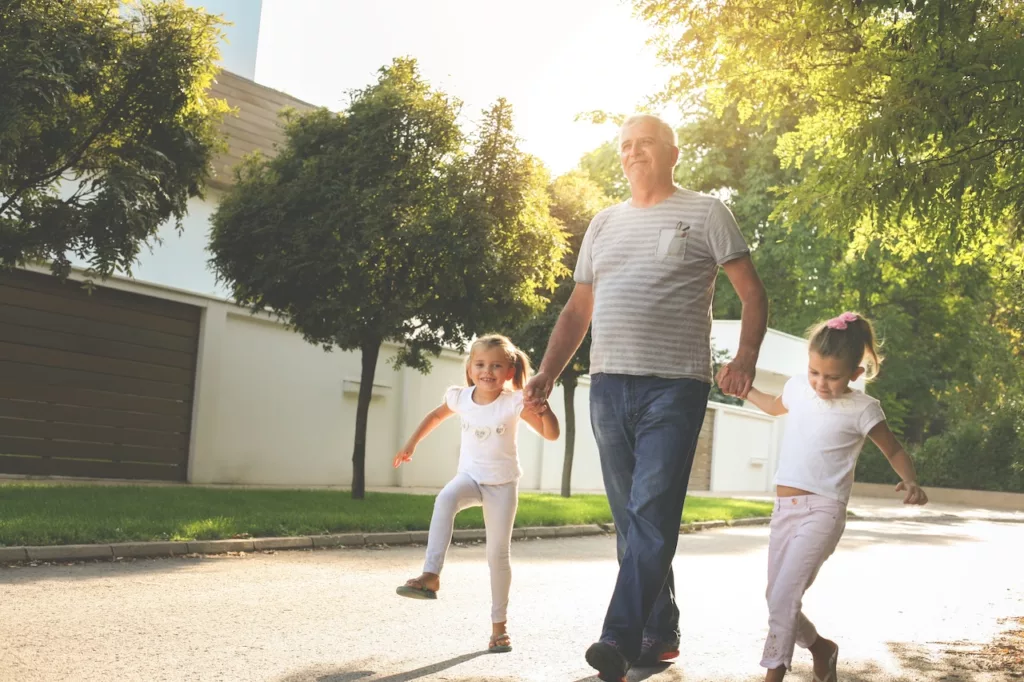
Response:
column 138, row 550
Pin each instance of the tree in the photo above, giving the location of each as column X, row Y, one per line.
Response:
column 950, row 324
column 375, row 225
column 909, row 115
column 107, row 128
column 575, row 200
column 871, row 153
column 602, row 166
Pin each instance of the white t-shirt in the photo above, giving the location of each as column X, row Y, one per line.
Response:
column 823, row 438
column 489, row 454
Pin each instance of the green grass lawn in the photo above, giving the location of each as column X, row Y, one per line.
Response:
column 49, row 514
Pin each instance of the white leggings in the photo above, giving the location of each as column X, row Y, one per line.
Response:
column 805, row 530
column 499, row 503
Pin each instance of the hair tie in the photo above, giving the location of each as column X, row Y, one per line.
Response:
column 841, row 321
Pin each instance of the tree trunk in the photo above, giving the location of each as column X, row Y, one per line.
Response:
column 369, row 351
column 569, row 389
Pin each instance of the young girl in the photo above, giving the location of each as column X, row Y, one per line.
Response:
column 824, row 433
column 488, row 473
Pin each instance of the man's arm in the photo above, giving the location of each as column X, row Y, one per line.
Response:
column 737, row 377
column 566, row 337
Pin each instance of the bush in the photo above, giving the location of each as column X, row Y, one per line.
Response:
column 873, row 467
column 978, row 452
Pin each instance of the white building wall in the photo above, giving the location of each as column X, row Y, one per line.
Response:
column 179, row 259
column 273, row 410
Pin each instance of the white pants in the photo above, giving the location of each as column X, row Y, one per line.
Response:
column 499, row 503
column 805, row 530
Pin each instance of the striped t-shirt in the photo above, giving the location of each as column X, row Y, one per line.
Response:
column 653, row 271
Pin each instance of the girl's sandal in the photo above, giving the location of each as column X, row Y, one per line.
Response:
column 500, row 644
column 415, row 589
column 833, row 674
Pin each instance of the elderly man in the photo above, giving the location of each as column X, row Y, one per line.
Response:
column 646, row 277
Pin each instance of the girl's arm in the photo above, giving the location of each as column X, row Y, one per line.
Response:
column 542, row 420
column 769, row 404
column 429, row 423
column 882, row 436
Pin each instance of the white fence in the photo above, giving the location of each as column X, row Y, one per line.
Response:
column 271, row 409
column 744, row 449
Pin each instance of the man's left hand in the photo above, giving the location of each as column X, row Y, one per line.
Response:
column 736, row 378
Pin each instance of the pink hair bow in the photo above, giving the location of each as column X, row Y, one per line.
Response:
column 841, row 321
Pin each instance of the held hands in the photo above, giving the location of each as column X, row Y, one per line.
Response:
column 404, row 455
column 915, row 494
column 536, row 392
column 736, row 378
column 540, row 408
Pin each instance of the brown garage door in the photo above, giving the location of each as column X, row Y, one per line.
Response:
column 94, row 385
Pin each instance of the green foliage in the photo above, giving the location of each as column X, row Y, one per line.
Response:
column 107, row 128
column 603, row 167
column 378, row 225
column 951, row 325
column 375, row 224
column 909, row 113
column 985, row 452
column 871, row 153
column 575, row 200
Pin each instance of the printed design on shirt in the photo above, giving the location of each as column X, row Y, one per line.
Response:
column 500, row 430
column 482, row 433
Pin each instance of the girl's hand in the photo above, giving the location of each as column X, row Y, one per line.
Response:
column 404, row 455
column 536, row 408
column 915, row 494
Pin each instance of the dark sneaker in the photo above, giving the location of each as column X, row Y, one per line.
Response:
column 609, row 662
column 656, row 651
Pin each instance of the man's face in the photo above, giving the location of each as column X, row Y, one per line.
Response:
column 646, row 159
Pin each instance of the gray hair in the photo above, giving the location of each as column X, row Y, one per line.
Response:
column 666, row 133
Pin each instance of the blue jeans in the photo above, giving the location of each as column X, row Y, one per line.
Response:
column 646, row 430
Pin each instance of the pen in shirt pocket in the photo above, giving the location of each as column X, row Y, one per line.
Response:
column 681, row 229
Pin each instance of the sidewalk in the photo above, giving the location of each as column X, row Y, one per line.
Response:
column 862, row 508
column 141, row 550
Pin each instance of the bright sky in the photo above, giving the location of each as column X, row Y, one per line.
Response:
column 552, row 59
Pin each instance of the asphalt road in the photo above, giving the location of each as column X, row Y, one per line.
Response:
column 908, row 599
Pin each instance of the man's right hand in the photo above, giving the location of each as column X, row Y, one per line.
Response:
column 737, row 377
column 537, row 390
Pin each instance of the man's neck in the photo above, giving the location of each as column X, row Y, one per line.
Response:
column 649, row 196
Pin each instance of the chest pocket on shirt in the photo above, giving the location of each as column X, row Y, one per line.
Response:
column 672, row 242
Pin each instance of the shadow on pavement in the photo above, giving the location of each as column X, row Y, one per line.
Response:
column 657, row 674
column 937, row 662
column 353, row 673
